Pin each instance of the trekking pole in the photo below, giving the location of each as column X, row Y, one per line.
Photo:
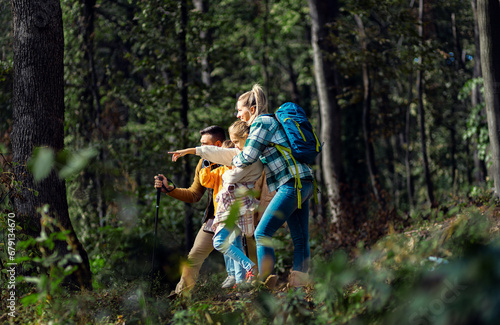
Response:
column 158, row 194
column 244, row 239
column 245, row 245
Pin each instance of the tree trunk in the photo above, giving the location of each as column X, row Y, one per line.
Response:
column 459, row 60
column 409, row 181
column 459, row 64
column 323, row 13
column 38, row 112
column 369, row 151
column 488, row 14
column 476, row 99
column 94, row 101
column 205, row 36
column 421, row 110
column 188, row 217
column 293, row 77
column 265, row 54
column 453, row 153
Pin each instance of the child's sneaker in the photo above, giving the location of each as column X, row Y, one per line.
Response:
column 251, row 275
column 228, row 282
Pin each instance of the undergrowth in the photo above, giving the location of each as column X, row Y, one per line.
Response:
column 443, row 268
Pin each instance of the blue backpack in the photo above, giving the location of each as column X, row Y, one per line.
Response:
column 304, row 143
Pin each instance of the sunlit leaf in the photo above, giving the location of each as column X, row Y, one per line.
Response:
column 41, row 163
column 234, row 214
column 30, row 299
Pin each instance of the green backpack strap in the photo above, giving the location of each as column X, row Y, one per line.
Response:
column 318, row 144
column 298, row 184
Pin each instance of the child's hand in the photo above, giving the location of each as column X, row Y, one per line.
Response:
column 183, row 152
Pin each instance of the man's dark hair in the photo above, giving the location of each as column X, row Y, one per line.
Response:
column 215, row 131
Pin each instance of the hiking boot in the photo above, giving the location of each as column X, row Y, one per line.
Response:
column 173, row 295
column 271, row 282
column 228, row 282
column 298, row 279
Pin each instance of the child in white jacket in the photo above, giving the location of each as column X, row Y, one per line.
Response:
column 236, row 184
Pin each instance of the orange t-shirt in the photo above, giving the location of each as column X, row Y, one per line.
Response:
column 213, row 179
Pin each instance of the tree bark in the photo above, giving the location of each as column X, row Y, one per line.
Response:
column 38, row 118
column 421, row 110
column 324, row 13
column 488, row 13
column 480, row 170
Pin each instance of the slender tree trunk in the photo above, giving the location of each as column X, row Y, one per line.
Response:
column 488, row 13
column 480, row 170
column 205, row 36
column 470, row 180
column 421, row 110
column 38, row 112
column 459, row 64
column 188, row 218
column 394, row 144
column 88, row 32
column 369, row 151
column 453, row 152
column 293, row 77
column 323, row 13
column 319, row 179
column 265, row 55
column 409, row 181
column 392, row 150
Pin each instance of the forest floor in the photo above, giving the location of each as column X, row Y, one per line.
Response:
column 408, row 276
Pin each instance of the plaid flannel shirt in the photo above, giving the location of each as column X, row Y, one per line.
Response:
column 264, row 131
column 225, row 199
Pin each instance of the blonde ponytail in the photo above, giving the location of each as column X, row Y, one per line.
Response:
column 255, row 98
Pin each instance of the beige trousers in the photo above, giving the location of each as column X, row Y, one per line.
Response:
column 202, row 247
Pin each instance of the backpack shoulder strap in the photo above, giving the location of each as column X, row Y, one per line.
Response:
column 298, row 183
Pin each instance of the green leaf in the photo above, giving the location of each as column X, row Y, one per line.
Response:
column 233, row 215
column 75, row 258
column 76, row 162
column 32, row 279
column 30, row 299
column 41, row 162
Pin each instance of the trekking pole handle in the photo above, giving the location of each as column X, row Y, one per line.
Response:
column 158, row 191
column 163, row 185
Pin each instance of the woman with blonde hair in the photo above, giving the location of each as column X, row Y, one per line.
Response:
column 281, row 173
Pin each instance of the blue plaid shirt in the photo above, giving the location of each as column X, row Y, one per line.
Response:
column 263, row 131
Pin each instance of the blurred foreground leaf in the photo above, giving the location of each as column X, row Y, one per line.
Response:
column 74, row 163
column 41, row 163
